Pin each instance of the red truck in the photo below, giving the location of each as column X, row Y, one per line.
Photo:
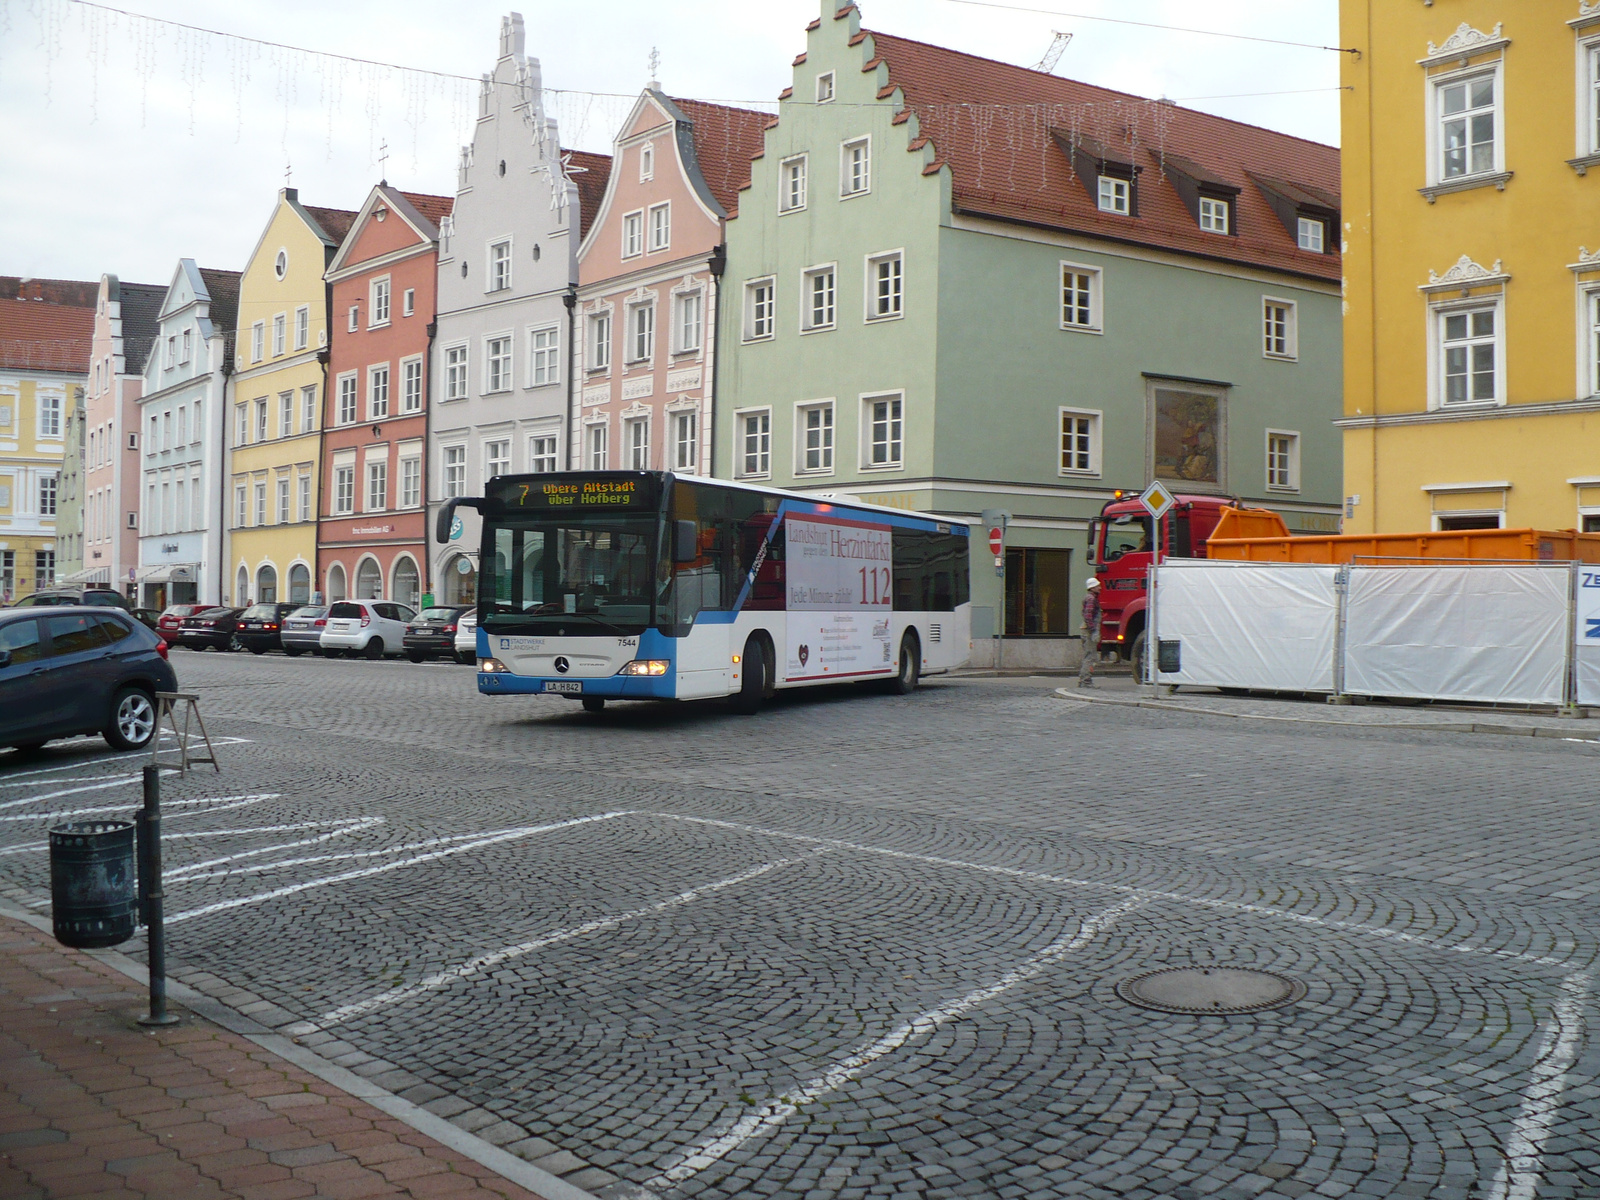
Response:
column 1119, row 550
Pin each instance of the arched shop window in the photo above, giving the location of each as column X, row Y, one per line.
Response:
column 267, row 585
column 336, row 584
column 299, row 584
column 407, row 582
column 369, row 580
column 460, row 581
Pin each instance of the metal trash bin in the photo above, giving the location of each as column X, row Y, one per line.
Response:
column 92, row 894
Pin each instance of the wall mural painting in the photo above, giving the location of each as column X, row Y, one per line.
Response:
column 1188, row 434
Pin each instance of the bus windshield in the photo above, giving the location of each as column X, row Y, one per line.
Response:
column 565, row 572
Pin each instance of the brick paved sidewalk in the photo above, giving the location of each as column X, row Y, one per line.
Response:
column 91, row 1103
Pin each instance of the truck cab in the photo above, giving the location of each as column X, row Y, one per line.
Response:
column 1121, row 549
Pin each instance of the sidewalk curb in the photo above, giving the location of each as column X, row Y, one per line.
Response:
column 1423, row 726
column 501, row 1162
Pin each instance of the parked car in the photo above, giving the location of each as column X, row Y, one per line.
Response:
column 55, row 597
column 147, row 616
column 172, row 617
column 302, row 630
column 66, row 671
column 214, row 627
column 365, row 627
column 433, row 631
column 467, row 637
column 261, row 625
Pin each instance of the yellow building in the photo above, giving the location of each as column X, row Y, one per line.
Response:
column 275, row 403
column 1471, row 133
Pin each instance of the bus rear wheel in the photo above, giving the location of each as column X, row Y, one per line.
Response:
column 910, row 669
column 752, row 678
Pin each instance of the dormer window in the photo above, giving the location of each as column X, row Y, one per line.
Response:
column 1214, row 215
column 1312, row 234
column 1116, row 195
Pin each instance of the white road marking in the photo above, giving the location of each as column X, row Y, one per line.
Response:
column 83, row 764
column 382, row 852
column 484, row 961
column 1518, row 1177
column 187, row 873
column 1127, row 890
column 33, row 847
column 223, row 802
column 119, row 781
column 772, row 1114
column 343, row 877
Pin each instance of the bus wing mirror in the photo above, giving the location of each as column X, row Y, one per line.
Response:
column 446, row 519
column 1094, row 536
column 685, row 541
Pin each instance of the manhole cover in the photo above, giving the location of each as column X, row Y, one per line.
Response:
column 1210, row 990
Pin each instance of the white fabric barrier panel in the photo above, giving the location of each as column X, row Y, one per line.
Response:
column 1493, row 634
column 1586, row 635
column 1248, row 625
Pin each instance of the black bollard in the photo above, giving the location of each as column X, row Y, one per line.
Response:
column 150, row 897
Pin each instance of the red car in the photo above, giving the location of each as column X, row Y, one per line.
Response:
column 171, row 618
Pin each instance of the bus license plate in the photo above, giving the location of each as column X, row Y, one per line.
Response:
column 569, row 687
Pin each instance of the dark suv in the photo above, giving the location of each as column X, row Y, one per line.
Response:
column 261, row 627
column 66, row 671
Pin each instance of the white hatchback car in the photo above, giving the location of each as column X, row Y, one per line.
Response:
column 467, row 637
column 364, row 627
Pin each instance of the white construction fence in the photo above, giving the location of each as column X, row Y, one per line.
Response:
column 1523, row 633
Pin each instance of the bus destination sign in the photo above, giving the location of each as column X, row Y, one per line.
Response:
column 578, row 494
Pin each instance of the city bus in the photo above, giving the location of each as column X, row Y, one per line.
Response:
column 649, row 585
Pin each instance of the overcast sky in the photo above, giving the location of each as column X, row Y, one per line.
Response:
column 127, row 146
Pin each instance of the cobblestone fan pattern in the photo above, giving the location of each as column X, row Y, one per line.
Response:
column 93, row 1104
column 868, row 946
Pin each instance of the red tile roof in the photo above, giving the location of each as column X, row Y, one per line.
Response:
column 38, row 336
column 435, row 208
column 335, row 222
column 1006, row 133
column 725, row 140
column 75, row 292
column 590, row 177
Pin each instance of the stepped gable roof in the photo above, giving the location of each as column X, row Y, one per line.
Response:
column 141, row 312
column 36, row 335
column 726, row 139
column 432, row 208
column 76, row 293
column 1007, row 135
column 590, row 177
column 334, row 222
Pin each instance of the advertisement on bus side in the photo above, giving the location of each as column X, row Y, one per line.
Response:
column 840, row 580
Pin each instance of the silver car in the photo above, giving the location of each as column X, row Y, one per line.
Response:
column 302, row 630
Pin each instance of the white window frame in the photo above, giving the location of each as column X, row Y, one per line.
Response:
column 378, row 380
column 285, row 415
column 1216, row 215
column 688, row 334
column 1438, row 380
column 376, row 495
column 344, row 489
column 596, row 445
column 241, row 428
column 49, row 421
column 659, row 226
column 172, row 353
column 280, row 334
column 285, row 512
column 754, row 329
column 302, row 327
column 599, row 343
column 825, row 88
column 640, row 343
column 544, row 356
column 1070, row 309
column 241, row 508
column 260, row 423
column 1589, row 338
column 258, row 343
column 1114, row 194
column 636, row 442
column 497, row 276
column 1588, row 140
column 408, row 302
column 898, row 306
column 379, row 296
column 457, row 381
column 186, row 351
column 453, row 470
column 492, row 386
column 647, row 162
column 869, row 401
column 793, row 184
column 686, row 450
column 828, row 272
column 762, row 468
column 259, row 494
column 544, row 453
column 827, row 448
column 1290, row 349
column 410, row 495
column 1436, row 118
column 304, row 490
column 491, row 457
column 353, row 318
column 1291, row 480
column 1096, row 419
column 411, row 384
column 347, row 404
column 847, row 190
column 633, row 233
column 1305, row 224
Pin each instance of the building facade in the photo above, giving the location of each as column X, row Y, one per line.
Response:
column 648, row 270
column 69, row 495
column 371, row 540
column 508, row 274
column 1071, row 292
column 276, row 397
column 1472, row 338
column 125, row 318
column 45, row 332
column 183, row 447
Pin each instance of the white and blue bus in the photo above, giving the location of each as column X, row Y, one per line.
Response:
column 645, row 585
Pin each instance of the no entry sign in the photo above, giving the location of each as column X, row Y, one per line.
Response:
column 996, row 542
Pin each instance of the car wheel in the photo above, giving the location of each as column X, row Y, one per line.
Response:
column 752, row 679
column 293, row 652
column 905, row 680
column 594, row 704
column 133, row 719
column 258, row 649
column 375, row 648
column 417, row 656
column 1136, row 657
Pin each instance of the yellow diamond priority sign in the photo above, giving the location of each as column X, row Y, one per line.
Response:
column 1156, row 500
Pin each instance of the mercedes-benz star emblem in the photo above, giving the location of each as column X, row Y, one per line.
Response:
column 563, row 666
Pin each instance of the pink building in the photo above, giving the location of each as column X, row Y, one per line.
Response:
column 124, row 331
column 648, row 272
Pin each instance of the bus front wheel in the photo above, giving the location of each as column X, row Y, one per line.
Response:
column 752, row 678
column 594, row 704
column 910, row 671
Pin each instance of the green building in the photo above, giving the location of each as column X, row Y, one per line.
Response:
column 958, row 285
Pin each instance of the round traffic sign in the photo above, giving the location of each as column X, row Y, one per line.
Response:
column 996, row 542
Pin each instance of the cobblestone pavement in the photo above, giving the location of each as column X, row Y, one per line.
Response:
column 863, row 945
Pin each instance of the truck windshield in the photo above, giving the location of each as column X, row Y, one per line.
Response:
column 570, row 573
column 1129, row 533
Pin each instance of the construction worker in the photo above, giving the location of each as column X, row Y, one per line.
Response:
column 1091, row 633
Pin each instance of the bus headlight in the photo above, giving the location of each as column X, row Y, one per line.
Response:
column 646, row 666
column 493, row 666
